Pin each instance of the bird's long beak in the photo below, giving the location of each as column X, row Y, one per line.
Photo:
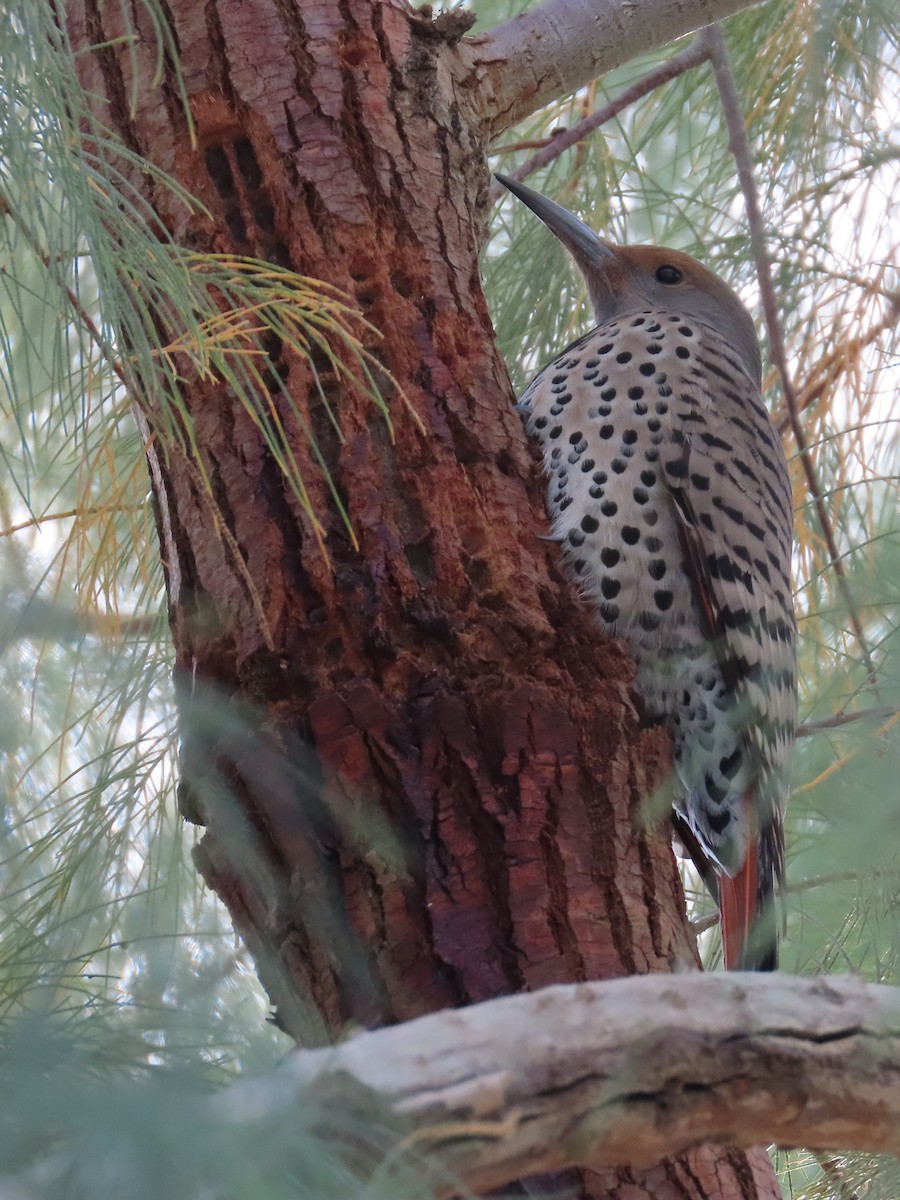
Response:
column 587, row 248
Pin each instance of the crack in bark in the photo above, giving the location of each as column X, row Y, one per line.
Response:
column 672, row 1174
column 105, row 55
column 821, row 1039
column 218, row 44
column 399, row 84
column 606, row 858
column 558, row 908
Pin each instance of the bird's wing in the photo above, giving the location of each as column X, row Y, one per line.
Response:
column 729, row 486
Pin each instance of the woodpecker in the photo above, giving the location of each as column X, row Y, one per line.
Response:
column 669, row 493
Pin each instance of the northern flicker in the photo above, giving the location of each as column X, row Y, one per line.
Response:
column 669, row 493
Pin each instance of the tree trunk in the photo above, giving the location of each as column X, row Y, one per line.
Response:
column 419, row 767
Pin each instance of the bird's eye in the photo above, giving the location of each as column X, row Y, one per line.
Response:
column 668, row 274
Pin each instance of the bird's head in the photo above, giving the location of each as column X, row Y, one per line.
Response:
column 623, row 279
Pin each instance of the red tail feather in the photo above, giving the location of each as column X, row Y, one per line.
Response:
column 738, row 901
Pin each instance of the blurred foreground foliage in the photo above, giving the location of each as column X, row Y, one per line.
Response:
column 124, row 995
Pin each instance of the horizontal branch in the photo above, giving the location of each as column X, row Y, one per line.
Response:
column 808, row 728
column 560, row 45
column 627, row 1071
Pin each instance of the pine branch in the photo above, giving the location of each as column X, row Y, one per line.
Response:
column 630, row 1070
column 555, row 48
column 627, row 1071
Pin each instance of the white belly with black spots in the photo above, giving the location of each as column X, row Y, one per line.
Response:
column 614, row 414
column 602, row 415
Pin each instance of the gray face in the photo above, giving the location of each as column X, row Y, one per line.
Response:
column 626, row 278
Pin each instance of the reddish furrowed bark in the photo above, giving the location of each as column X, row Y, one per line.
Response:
column 420, row 770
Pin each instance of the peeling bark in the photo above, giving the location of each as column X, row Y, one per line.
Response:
column 633, row 1069
column 420, row 769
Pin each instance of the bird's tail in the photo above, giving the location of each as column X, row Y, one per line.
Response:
column 747, row 908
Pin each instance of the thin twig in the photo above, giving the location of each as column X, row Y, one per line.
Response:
column 740, row 148
column 526, row 144
column 808, row 728
column 817, row 881
column 865, row 162
column 701, row 924
column 37, row 522
column 695, row 54
column 841, row 762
